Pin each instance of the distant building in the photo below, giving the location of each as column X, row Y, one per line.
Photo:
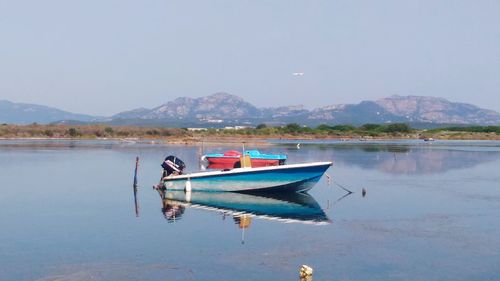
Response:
column 237, row 127
column 215, row 120
column 210, row 120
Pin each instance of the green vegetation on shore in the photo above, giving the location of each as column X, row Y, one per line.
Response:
column 85, row 131
column 471, row 129
column 293, row 130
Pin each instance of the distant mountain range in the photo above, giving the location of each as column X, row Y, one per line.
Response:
column 222, row 109
column 229, row 109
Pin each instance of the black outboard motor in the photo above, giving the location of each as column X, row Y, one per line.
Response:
column 172, row 165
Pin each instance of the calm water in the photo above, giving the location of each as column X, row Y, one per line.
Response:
column 431, row 212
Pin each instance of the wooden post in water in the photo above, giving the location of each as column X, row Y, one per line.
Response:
column 135, row 187
column 201, row 152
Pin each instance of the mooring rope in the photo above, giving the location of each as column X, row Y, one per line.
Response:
column 338, row 184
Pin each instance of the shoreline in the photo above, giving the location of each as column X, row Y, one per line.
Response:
column 252, row 140
column 261, row 136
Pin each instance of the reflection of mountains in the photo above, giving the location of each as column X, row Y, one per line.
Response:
column 429, row 161
column 414, row 160
column 292, row 207
column 436, row 162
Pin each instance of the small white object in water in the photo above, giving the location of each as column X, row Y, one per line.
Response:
column 298, row 145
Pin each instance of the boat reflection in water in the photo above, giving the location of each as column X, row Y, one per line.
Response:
column 283, row 207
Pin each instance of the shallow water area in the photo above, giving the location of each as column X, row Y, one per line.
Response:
column 430, row 212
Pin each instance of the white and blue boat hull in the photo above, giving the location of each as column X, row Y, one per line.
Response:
column 292, row 178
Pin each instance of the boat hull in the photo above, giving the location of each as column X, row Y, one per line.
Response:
column 293, row 178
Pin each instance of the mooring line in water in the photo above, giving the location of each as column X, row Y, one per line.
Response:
column 338, row 184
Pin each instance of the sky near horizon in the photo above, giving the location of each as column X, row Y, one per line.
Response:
column 107, row 56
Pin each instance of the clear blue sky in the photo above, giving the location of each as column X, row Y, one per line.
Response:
column 106, row 56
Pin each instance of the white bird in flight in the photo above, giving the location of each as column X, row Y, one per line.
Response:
column 298, row 73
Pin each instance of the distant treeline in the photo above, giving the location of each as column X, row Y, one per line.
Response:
column 366, row 129
column 293, row 129
column 472, row 129
column 85, row 131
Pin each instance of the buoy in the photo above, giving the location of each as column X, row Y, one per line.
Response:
column 188, row 196
column 187, row 188
column 305, row 271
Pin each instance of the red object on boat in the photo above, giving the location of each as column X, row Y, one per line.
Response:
column 230, row 159
column 232, row 153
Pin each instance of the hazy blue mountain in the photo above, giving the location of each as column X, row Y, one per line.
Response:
column 215, row 106
column 23, row 113
column 437, row 110
column 361, row 113
column 139, row 113
column 285, row 112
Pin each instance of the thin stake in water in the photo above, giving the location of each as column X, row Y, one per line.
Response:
column 135, row 187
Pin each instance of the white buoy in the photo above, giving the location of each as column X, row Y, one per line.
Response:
column 187, row 196
column 187, row 188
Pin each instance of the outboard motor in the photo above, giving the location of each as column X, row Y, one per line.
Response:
column 172, row 165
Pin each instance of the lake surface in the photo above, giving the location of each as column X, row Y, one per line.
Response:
column 431, row 212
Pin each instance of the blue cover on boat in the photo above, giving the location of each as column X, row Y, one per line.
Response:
column 257, row 154
column 253, row 154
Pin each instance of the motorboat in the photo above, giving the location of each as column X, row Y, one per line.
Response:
column 289, row 178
